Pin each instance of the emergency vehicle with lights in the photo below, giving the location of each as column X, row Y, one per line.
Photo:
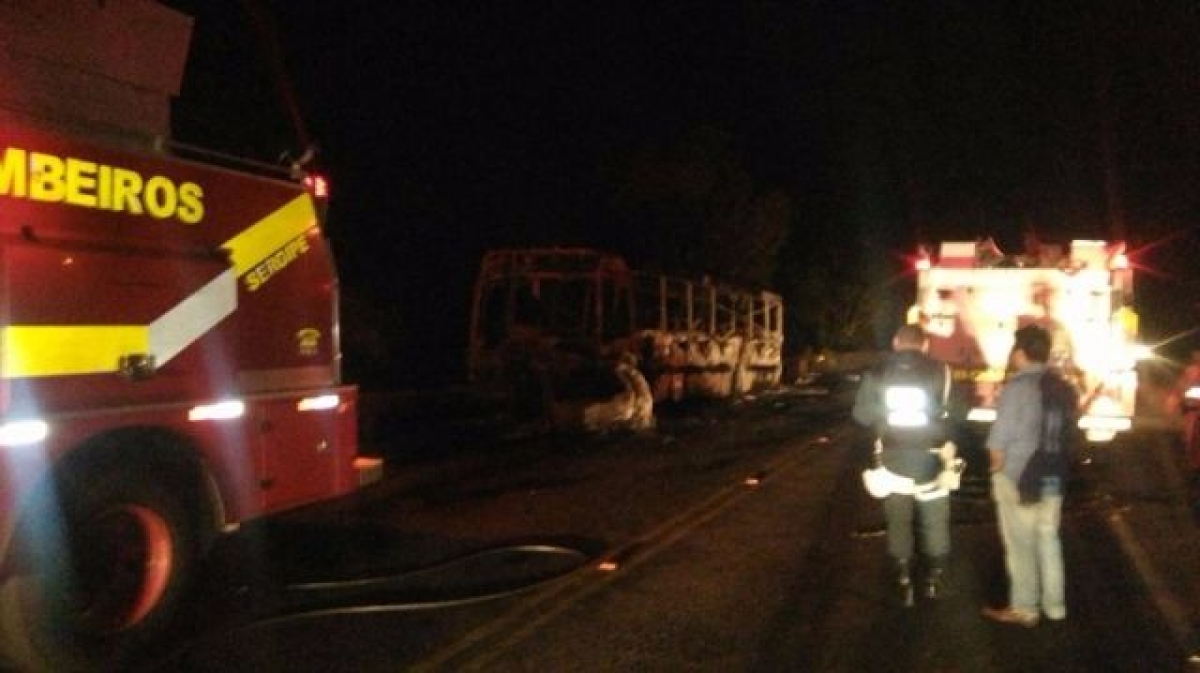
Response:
column 971, row 297
column 169, row 350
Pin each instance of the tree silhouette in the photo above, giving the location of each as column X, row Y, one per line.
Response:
column 690, row 206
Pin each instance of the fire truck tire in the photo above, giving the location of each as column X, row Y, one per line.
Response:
column 129, row 555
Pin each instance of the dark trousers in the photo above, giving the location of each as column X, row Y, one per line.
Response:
column 931, row 518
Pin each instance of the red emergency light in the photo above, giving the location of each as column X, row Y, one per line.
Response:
column 317, row 185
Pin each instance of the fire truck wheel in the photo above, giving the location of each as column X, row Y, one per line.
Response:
column 130, row 555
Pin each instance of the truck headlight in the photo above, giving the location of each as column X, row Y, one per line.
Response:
column 23, row 432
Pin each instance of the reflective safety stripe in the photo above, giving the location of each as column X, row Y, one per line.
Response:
column 61, row 350
column 906, row 406
column 64, row 350
column 34, row 350
column 255, row 244
column 193, row 317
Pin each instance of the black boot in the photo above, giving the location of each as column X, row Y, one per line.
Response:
column 904, row 583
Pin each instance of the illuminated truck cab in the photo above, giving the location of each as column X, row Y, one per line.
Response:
column 971, row 298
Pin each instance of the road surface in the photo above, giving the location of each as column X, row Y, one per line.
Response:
column 732, row 539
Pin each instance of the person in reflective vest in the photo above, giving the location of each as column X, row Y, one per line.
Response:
column 904, row 401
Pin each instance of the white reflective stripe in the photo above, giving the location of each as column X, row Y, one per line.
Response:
column 905, row 398
column 193, row 317
column 907, row 406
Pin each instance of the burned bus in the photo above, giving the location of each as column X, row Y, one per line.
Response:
column 553, row 326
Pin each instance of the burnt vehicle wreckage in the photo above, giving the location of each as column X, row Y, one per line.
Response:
column 577, row 337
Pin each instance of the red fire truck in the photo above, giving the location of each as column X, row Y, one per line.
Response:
column 971, row 297
column 169, row 356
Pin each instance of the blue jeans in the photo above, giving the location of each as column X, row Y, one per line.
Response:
column 1032, row 550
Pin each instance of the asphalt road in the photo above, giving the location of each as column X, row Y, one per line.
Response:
column 731, row 539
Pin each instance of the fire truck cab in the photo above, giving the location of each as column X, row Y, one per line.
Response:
column 169, row 354
column 971, row 297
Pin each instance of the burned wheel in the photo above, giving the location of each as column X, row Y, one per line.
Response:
column 107, row 579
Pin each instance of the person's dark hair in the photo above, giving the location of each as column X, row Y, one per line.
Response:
column 1034, row 340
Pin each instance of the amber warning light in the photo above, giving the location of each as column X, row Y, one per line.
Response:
column 317, row 185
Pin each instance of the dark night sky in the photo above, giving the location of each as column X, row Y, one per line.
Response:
column 450, row 128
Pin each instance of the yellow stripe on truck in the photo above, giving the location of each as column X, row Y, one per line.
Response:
column 253, row 245
column 50, row 350
column 65, row 350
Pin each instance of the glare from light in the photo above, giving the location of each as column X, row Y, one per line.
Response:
column 1192, row 393
column 906, row 406
column 318, row 185
column 607, row 566
column 1105, row 406
column 1141, row 352
column 981, row 415
column 907, row 419
column 23, row 433
column 219, row 411
column 1105, row 423
column 319, row 403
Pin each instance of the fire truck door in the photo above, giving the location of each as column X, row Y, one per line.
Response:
column 298, row 456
